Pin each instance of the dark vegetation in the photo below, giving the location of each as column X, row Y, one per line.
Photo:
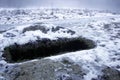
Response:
column 44, row 48
column 39, row 26
column 2, row 31
column 36, row 26
column 109, row 74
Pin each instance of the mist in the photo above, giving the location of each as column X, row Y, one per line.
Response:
column 90, row 4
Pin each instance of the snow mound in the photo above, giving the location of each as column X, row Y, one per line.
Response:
column 26, row 33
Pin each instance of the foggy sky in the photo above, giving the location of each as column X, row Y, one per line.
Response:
column 92, row 4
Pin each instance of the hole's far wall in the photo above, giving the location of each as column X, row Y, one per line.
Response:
column 44, row 48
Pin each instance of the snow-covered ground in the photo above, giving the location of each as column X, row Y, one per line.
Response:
column 20, row 16
column 101, row 27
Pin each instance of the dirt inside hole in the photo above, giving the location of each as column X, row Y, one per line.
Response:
column 44, row 48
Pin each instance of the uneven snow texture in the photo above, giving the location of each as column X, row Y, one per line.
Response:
column 20, row 16
column 103, row 28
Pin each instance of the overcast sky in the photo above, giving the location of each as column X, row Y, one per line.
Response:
column 95, row 4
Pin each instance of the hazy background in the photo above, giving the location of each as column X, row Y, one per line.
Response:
column 90, row 4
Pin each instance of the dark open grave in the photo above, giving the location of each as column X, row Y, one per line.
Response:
column 44, row 48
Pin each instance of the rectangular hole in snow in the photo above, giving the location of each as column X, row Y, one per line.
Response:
column 44, row 48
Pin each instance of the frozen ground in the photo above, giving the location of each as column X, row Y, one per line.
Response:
column 101, row 27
